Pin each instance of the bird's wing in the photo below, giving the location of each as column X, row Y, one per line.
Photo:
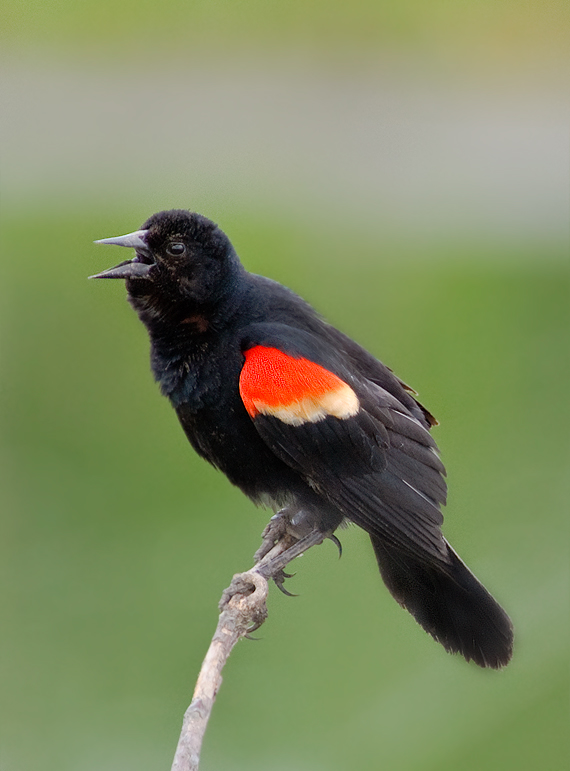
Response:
column 377, row 372
column 353, row 442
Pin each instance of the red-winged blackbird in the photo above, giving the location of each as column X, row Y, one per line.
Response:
column 304, row 420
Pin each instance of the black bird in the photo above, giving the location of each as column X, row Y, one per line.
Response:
column 303, row 419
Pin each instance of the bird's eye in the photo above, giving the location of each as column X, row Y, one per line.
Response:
column 175, row 249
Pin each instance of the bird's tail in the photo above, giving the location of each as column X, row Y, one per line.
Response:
column 450, row 604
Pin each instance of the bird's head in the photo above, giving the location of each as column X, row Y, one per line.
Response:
column 180, row 258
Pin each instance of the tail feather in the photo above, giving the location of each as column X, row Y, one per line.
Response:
column 449, row 603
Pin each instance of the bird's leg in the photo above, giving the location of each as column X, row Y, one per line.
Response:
column 272, row 567
column 283, row 533
column 277, row 531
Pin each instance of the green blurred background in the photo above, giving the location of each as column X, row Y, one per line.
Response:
column 403, row 165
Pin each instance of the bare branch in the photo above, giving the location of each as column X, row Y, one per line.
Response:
column 240, row 613
column 243, row 610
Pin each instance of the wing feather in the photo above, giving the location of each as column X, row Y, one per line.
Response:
column 377, row 465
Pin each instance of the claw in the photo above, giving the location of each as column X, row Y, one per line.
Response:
column 279, row 580
column 337, row 543
column 282, row 589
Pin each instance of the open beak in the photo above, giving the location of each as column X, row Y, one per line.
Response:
column 139, row 266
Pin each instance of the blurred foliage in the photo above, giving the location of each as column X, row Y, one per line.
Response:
column 489, row 30
column 118, row 540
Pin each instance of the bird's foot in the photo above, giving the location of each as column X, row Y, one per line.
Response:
column 272, row 566
column 287, row 535
column 280, row 575
column 332, row 537
column 275, row 530
column 279, row 580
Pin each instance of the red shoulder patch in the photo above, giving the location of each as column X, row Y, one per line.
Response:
column 295, row 390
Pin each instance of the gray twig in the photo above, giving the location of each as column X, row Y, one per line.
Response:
column 243, row 609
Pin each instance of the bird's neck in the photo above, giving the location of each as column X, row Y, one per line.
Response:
column 185, row 338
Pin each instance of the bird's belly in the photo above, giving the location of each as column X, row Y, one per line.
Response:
column 228, row 440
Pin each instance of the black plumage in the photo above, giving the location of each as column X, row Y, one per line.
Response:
column 297, row 414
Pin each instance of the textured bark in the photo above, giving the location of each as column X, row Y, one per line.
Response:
column 243, row 610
